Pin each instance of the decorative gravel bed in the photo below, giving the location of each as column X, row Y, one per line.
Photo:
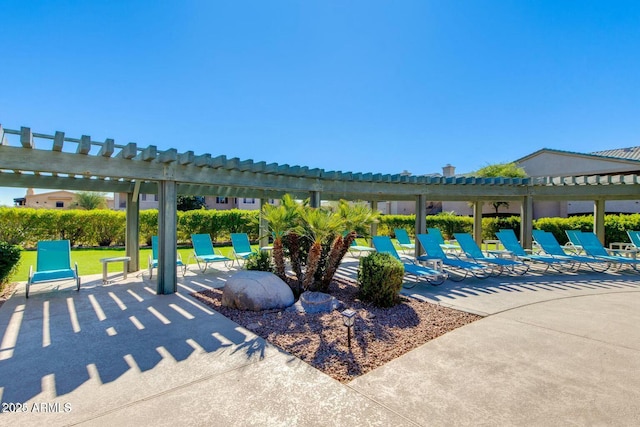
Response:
column 321, row 339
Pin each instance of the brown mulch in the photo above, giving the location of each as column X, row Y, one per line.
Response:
column 7, row 291
column 379, row 336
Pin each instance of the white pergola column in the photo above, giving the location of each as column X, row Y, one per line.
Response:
column 526, row 222
column 131, row 238
column 167, row 237
column 598, row 219
column 477, row 222
column 421, row 221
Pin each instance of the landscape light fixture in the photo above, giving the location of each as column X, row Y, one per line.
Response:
column 349, row 319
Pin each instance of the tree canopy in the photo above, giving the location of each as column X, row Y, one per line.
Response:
column 507, row 170
column 90, row 200
column 190, row 203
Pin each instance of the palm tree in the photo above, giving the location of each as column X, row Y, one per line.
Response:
column 276, row 216
column 90, row 200
column 320, row 225
column 357, row 219
column 282, row 219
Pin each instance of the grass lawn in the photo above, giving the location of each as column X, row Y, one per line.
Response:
column 89, row 260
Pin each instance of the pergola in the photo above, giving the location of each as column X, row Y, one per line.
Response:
column 29, row 159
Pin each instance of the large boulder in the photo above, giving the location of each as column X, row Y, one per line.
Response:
column 256, row 290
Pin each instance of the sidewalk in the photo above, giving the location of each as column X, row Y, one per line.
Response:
column 561, row 349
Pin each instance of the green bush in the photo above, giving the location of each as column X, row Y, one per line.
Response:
column 490, row 226
column 389, row 222
column 9, row 260
column 105, row 227
column 380, row 279
column 260, row 261
column 449, row 223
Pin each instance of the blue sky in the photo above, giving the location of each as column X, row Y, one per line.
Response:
column 362, row 86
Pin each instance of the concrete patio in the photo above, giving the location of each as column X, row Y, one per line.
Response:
column 553, row 349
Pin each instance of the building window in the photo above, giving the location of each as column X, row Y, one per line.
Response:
column 143, row 197
column 59, row 204
column 248, row 201
column 222, row 200
column 155, row 197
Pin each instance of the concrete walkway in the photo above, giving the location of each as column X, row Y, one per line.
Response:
column 554, row 349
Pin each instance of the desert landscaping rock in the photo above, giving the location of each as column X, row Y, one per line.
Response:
column 316, row 302
column 320, row 339
column 256, row 291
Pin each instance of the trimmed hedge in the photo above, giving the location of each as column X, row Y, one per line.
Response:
column 101, row 227
column 616, row 226
column 9, row 260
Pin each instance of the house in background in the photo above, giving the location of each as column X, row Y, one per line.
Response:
column 150, row 201
column 225, row 203
column 59, row 199
column 147, row 201
column 549, row 162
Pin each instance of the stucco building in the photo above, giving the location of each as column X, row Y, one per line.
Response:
column 554, row 163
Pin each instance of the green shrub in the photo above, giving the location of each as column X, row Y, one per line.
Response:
column 450, row 223
column 389, row 222
column 490, row 226
column 9, row 260
column 380, row 279
column 260, row 261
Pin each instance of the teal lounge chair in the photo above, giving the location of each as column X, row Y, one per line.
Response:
column 403, row 239
column 634, row 236
column 473, row 251
column 435, row 232
column 241, row 247
column 359, row 249
column 510, row 242
column 573, row 244
column 435, row 277
column 153, row 258
column 204, row 252
column 547, row 241
column 457, row 268
column 53, row 263
column 594, row 248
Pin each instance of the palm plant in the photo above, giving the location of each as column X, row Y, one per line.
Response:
column 90, row 200
column 356, row 219
column 278, row 221
column 282, row 219
column 320, row 225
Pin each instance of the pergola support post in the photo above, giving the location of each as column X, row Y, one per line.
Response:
column 598, row 219
column 314, row 199
column 421, row 221
column 131, row 239
column 477, row 222
column 526, row 222
column 263, row 227
column 167, row 237
column 374, row 225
